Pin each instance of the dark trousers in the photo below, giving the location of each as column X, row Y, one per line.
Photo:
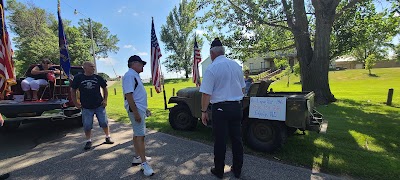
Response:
column 227, row 122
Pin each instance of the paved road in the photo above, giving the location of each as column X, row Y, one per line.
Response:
column 55, row 151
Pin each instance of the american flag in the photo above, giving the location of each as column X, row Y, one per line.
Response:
column 155, row 59
column 65, row 61
column 196, row 61
column 7, row 75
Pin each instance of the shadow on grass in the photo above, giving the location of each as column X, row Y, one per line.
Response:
column 373, row 75
column 361, row 141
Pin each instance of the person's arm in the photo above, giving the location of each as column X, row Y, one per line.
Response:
column 205, row 101
column 74, row 99
column 132, row 106
column 36, row 71
column 1, row 120
column 105, row 96
column 56, row 71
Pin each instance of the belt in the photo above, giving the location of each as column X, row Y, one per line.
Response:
column 227, row 102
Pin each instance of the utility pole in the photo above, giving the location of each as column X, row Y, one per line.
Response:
column 93, row 52
column 91, row 39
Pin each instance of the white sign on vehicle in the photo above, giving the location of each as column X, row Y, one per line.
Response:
column 272, row 108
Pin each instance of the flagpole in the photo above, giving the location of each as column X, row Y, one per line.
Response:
column 165, row 96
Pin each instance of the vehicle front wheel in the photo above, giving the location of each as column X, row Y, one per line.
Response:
column 265, row 135
column 181, row 118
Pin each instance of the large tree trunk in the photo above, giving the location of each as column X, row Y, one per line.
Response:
column 314, row 64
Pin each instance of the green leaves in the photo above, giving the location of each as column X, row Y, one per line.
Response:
column 178, row 37
column 37, row 37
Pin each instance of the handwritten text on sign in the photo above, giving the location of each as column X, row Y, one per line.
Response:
column 273, row 108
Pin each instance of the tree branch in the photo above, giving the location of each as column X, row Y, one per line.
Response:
column 289, row 16
column 350, row 5
column 257, row 18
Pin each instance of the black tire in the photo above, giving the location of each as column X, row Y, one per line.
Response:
column 10, row 126
column 180, row 118
column 291, row 130
column 266, row 135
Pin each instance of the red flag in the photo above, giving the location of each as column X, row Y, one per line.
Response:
column 196, row 61
column 155, row 59
column 7, row 75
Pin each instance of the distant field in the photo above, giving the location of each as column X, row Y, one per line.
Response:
column 363, row 136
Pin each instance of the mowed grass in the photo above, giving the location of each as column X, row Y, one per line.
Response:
column 363, row 137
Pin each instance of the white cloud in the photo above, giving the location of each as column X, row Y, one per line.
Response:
column 129, row 46
column 142, row 53
column 108, row 61
column 121, row 9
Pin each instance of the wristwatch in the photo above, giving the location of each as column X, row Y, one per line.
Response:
column 203, row 111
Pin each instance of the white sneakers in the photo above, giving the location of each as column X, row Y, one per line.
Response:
column 136, row 160
column 147, row 170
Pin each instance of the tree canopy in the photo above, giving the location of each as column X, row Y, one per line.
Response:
column 178, row 36
column 261, row 27
column 37, row 37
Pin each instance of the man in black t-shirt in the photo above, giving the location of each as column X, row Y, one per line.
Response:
column 91, row 101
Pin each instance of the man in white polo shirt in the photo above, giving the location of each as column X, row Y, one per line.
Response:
column 223, row 86
column 136, row 106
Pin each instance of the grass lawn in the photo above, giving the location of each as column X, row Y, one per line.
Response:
column 363, row 137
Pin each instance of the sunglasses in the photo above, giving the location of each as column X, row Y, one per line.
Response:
column 47, row 63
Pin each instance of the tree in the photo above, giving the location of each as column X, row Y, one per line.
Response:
column 370, row 62
column 178, row 37
column 364, row 30
column 35, row 40
column 310, row 26
column 104, row 76
column 281, row 63
column 37, row 37
column 103, row 40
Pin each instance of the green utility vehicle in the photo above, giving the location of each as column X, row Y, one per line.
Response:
column 268, row 117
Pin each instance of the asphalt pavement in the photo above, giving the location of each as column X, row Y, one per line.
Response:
column 55, row 151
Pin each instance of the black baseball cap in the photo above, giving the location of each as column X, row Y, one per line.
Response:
column 136, row 58
column 216, row 43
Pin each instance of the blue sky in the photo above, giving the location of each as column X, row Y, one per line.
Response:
column 130, row 20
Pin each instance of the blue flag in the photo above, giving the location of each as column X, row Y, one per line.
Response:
column 65, row 61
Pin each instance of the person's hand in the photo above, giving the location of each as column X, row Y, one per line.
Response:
column 137, row 117
column 78, row 105
column 148, row 113
column 204, row 118
column 1, row 121
column 104, row 103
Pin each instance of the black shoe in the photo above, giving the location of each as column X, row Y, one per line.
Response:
column 108, row 141
column 218, row 174
column 236, row 173
column 88, row 145
column 4, row 176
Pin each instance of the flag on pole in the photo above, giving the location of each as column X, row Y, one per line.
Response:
column 7, row 74
column 65, row 62
column 155, row 59
column 196, row 61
